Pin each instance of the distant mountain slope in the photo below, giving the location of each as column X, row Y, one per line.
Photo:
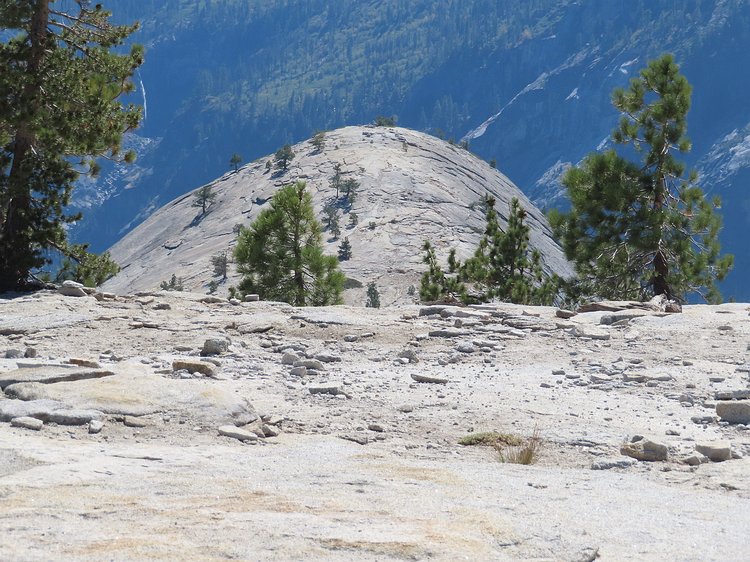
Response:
column 526, row 82
column 413, row 187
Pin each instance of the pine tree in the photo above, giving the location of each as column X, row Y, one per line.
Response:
column 220, row 263
column 345, row 250
column 319, row 141
column 336, row 179
column 503, row 267
column 373, row 295
column 235, row 161
column 281, row 254
column 283, row 157
column 331, row 218
column 383, row 121
column 84, row 267
column 349, row 188
column 60, row 85
column 174, row 284
column 636, row 230
column 204, row 197
column 435, row 285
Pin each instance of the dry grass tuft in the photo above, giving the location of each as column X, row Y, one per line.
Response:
column 527, row 452
column 490, row 439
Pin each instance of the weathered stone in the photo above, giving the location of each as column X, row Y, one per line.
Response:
column 131, row 394
column 51, row 374
column 328, row 358
column 255, row 328
column 269, row 430
column 289, row 358
column 431, row 310
column 40, row 409
column 14, row 354
column 310, row 364
column 740, row 394
column 351, row 338
column 237, row 433
column 72, row 289
column 589, row 332
column 252, row 298
column 734, row 411
column 565, row 314
column 449, row 333
column 215, row 346
column 608, row 464
column 717, row 451
column 73, row 416
column 644, row 449
column 695, row 459
column 609, row 319
column 134, row 421
column 30, row 353
column 300, row 371
column 194, row 366
column 428, row 379
column 27, row 423
column 91, row 364
column 328, row 388
column 95, row 426
column 466, row 347
column 410, row 355
column 529, row 323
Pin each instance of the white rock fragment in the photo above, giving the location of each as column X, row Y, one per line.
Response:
column 27, row 423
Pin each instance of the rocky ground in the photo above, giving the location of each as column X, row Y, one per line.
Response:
column 178, row 426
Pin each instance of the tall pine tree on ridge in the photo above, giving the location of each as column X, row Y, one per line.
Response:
column 59, row 109
column 640, row 229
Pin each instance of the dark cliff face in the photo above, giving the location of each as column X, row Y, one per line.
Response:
column 247, row 78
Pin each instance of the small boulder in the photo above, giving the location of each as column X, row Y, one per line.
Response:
column 134, row 421
column 410, row 355
column 289, row 358
column 237, row 433
column 695, row 459
column 95, row 426
column 565, row 314
column 27, row 423
column 734, row 411
column 428, row 379
column 72, row 289
column 193, row 366
column 215, row 346
column 644, row 449
column 590, row 332
column 328, row 357
column 331, row 388
column 716, row 451
column 310, row 364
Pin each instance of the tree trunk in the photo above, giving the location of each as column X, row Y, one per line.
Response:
column 661, row 266
column 15, row 271
column 299, row 280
